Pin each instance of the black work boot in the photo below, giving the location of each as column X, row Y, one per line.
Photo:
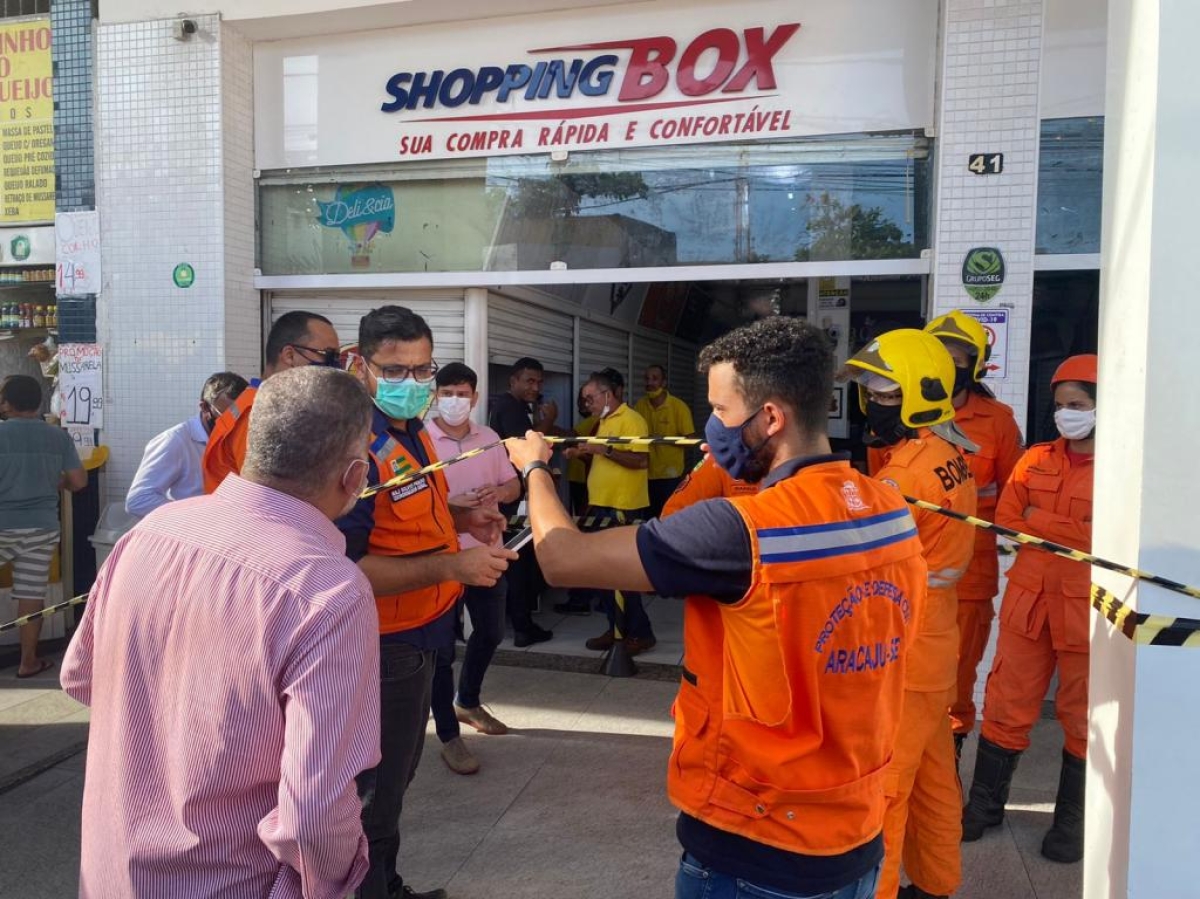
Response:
column 994, row 767
column 912, row 891
column 1064, row 840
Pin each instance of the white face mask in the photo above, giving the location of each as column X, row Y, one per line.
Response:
column 1075, row 424
column 454, row 410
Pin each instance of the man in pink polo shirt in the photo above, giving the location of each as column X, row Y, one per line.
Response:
column 486, row 480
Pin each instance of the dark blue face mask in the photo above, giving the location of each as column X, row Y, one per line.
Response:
column 729, row 450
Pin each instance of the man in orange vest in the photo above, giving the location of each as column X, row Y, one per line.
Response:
column 297, row 339
column 708, row 480
column 405, row 540
column 802, row 600
column 905, row 380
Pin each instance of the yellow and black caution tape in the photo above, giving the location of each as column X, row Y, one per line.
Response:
column 408, row 477
column 1049, row 546
column 44, row 613
column 1147, row 630
column 1058, row 549
column 587, row 522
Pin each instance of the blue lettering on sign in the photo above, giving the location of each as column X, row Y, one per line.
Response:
column 373, row 204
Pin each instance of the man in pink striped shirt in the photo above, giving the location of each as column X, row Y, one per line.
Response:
column 230, row 655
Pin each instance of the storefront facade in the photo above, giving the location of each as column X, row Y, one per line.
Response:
column 598, row 185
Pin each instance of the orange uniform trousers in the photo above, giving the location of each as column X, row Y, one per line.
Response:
column 923, row 823
column 974, row 629
column 1017, row 686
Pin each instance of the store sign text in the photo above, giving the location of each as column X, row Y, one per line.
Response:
column 647, row 72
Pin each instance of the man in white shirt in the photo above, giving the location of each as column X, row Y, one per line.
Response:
column 171, row 465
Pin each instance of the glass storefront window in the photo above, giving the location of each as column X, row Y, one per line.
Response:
column 1070, row 174
column 827, row 199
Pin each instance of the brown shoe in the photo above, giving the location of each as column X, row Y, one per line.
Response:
column 458, row 757
column 636, row 645
column 481, row 719
column 603, row 643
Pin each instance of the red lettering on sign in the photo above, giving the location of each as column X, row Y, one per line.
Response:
column 760, row 55
column 647, row 75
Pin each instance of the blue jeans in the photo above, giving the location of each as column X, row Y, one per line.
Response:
column 486, row 607
column 694, row 881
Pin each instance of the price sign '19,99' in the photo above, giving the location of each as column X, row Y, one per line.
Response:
column 81, row 384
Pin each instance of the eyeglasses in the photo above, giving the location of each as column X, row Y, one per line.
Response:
column 594, row 398
column 394, row 374
column 327, row 357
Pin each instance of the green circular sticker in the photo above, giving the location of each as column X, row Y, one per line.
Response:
column 184, row 275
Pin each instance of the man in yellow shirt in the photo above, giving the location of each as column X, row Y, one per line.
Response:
column 617, row 489
column 667, row 416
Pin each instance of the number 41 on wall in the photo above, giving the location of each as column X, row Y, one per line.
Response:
column 986, row 163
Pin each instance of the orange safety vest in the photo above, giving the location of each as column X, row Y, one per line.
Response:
column 411, row 520
column 225, row 452
column 931, row 468
column 708, row 480
column 791, row 698
column 1041, row 587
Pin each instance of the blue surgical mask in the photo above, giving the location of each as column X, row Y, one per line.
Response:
column 403, row 400
column 729, row 449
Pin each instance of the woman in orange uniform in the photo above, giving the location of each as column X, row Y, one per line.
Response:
column 1044, row 619
column 990, row 424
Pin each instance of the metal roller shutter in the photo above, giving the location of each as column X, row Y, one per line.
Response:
column 681, row 374
column 517, row 329
column 441, row 309
column 647, row 351
column 603, row 347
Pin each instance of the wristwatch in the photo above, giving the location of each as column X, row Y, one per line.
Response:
column 534, row 466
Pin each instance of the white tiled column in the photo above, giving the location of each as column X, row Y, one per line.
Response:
column 174, row 183
column 988, row 103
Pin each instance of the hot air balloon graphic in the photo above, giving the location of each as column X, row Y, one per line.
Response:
column 360, row 211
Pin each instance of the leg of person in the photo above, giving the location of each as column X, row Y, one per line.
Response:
column 917, row 726
column 486, row 608
column 31, row 557
column 455, row 753
column 525, row 584
column 932, row 850
column 1064, row 841
column 639, row 634
column 1012, row 704
column 406, row 678
column 974, row 629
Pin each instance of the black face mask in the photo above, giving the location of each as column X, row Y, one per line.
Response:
column 884, row 426
column 962, row 379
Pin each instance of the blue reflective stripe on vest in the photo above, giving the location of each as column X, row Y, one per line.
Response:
column 799, row 544
column 383, row 446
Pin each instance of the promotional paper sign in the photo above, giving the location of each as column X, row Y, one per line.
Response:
column 642, row 75
column 77, row 253
column 26, row 122
column 829, row 309
column 81, row 384
column 995, row 324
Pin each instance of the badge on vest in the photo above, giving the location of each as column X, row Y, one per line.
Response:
column 408, row 490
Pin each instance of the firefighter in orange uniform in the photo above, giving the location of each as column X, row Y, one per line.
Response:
column 988, row 423
column 906, row 379
column 1044, row 619
column 708, row 480
column 295, row 340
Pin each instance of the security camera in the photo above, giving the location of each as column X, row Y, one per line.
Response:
column 184, row 29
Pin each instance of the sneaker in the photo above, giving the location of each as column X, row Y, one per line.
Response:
column 637, row 645
column 481, row 719
column 535, row 634
column 458, row 759
column 603, row 643
column 570, row 608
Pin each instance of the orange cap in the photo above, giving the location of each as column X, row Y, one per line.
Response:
column 1077, row 368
